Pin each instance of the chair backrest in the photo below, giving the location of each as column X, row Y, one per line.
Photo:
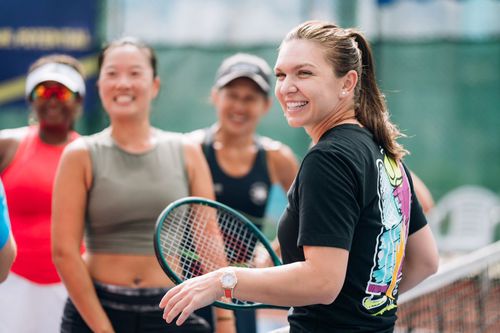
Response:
column 465, row 219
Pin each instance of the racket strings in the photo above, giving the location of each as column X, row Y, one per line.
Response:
column 196, row 239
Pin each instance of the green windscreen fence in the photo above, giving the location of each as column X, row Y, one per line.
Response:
column 446, row 98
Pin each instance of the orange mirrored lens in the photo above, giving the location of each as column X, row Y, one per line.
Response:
column 58, row 91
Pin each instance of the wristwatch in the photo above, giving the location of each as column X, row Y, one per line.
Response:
column 228, row 281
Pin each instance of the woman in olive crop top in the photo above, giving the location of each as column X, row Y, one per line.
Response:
column 111, row 186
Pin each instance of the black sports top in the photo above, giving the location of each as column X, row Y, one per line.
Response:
column 248, row 194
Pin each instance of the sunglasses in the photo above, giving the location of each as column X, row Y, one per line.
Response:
column 46, row 92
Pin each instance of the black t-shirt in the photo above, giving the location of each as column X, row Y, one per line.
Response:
column 348, row 194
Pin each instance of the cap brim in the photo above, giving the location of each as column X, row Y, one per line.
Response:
column 226, row 79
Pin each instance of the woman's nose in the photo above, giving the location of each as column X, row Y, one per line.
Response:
column 123, row 81
column 287, row 86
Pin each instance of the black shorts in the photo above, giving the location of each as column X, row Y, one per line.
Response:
column 130, row 310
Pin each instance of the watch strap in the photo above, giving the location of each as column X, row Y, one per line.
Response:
column 228, row 293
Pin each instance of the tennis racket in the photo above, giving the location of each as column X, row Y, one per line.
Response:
column 195, row 236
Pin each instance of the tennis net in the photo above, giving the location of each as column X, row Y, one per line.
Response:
column 463, row 296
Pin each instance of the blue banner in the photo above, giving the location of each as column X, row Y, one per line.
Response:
column 30, row 29
column 384, row 2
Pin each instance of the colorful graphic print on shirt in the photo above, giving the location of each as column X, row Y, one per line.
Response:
column 394, row 205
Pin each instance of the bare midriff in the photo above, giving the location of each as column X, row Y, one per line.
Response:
column 135, row 271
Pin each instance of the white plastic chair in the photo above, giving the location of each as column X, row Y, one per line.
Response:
column 465, row 219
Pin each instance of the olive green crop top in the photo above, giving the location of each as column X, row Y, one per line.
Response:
column 129, row 191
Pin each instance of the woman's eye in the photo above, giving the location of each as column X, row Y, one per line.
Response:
column 280, row 76
column 305, row 73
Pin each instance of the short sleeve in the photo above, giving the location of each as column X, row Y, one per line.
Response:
column 417, row 216
column 328, row 209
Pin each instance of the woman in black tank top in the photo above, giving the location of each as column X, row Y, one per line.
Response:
column 244, row 165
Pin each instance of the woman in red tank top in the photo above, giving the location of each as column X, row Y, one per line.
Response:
column 29, row 156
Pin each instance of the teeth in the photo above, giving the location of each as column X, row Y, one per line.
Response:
column 124, row 99
column 295, row 105
column 238, row 118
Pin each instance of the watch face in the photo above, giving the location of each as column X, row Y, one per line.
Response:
column 228, row 280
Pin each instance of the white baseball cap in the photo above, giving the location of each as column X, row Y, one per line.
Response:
column 61, row 73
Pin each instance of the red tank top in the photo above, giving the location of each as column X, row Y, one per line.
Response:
column 28, row 184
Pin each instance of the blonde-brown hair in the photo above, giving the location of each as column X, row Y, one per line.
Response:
column 345, row 50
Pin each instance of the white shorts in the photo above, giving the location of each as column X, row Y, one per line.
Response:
column 27, row 307
column 285, row 329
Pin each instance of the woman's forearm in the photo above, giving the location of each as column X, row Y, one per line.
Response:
column 296, row 284
column 78, row 282
column 316, row 280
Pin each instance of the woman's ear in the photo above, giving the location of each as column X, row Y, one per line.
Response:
column 268, row 103
column 156, row 86
column 214, row 94
column 349, row 81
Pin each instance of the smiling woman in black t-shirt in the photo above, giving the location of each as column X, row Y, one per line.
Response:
column 353, row 235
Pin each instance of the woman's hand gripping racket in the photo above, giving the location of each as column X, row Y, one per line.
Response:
column 195, row 236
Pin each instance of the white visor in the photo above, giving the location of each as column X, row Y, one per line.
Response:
column 64, row 74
